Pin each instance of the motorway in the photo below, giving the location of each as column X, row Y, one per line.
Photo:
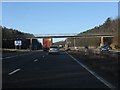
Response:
column 40, row 70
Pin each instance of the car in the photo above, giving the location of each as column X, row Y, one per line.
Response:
column 54, row 49
column 76, row 49
column 105, row 48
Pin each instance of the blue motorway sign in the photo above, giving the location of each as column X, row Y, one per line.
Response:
column 18, row 43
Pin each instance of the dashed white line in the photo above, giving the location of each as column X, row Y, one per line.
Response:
column 14, row 71
column 35, row 60
column 94, row 74
column 16, row 56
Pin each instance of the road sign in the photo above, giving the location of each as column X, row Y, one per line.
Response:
column 18, row 43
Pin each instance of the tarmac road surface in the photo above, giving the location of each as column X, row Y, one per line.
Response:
column 41, row 70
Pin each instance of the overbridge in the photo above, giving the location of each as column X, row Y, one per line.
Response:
column 73, row 35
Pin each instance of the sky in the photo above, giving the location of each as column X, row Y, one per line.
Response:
column 56, row 17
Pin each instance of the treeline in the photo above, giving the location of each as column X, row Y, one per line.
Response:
column 108, row 27
column 10, row 35
column 14, row 34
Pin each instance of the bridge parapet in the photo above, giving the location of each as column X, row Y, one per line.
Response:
column 62, row 34
column 72, row 35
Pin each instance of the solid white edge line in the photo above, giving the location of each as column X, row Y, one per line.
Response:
column 14, row 71
column 93, row 73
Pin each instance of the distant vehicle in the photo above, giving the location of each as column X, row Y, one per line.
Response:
column 76, row 49
column 54, row 49
column 105, row 48
column 60, row 46
column 47, row 42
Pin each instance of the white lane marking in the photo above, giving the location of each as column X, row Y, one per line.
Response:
column 19, row 55
column 16, row 56
column 93, row 73
column 43, row 56
column 14, row 71
column 35, row 60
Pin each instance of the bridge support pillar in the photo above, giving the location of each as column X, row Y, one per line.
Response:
column 102, row 41
column 74, row 43
column 30, row 43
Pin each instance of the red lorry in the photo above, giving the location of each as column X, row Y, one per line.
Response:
column 47, row 42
